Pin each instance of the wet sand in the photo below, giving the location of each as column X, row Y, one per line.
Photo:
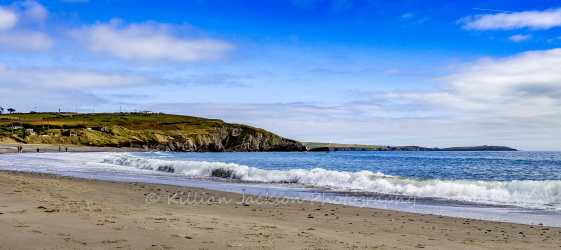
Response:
column 30, row 148
column 43, row 211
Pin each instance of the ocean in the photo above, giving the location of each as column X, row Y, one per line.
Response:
column 499, row 186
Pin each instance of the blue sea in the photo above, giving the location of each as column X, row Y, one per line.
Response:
column 480, row 185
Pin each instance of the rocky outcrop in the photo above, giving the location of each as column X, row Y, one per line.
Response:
column 224, row 139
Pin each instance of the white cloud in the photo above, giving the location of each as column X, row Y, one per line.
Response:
column 508, row 76
column 26, row 40
column 67, row 79
column 393, row 71
column 513, row 101
column 8, row 19
column 33, row 11
column 51, row 89
column 217, row 79
column 25, row 99
column 349, row 123
column 13, row 31
column 520, row 37
column 520, row 93
column 151, row 42
column 507, row 21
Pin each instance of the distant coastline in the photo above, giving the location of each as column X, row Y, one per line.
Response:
column 322, row 147
column 167, row 132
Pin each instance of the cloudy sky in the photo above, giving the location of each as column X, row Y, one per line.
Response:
column 427, row 73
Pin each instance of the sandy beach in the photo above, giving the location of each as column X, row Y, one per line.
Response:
column 43, row 211
column 30, row 148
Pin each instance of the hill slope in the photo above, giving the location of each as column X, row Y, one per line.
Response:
column 153, row 131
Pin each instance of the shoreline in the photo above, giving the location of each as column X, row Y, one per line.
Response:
column 499, row 212
column 32, row 148
column 38, row 210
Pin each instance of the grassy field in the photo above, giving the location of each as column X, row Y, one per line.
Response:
column 28, row 116
column 122, row 128
column 130, row 121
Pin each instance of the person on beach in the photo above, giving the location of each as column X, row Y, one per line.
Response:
column 66, row 149
column 59, row 149
column 37, row 150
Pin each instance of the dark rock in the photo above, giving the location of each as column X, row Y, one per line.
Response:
column 227, row 139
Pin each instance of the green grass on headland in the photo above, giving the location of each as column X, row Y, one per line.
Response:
column 155, row 131
column 119, row 129
column 132, row 121
column 29, row 116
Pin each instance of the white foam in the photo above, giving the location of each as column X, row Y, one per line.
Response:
column 528, row 194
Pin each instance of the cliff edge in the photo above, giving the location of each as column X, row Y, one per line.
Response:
column 161, row 132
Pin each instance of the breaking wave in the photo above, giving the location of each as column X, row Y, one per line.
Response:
column 526, row 193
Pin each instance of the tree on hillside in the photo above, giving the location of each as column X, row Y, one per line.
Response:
column 11, row 110
column 1, row 110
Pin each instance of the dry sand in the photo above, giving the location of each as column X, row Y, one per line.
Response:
column 43, row 211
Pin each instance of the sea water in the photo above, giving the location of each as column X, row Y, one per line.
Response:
column 481, row 185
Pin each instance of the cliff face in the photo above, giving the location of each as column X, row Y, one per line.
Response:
column 227, row 138
column 224, row 139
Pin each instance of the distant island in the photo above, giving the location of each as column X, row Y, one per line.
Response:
column 315, row 146
column 168, row 132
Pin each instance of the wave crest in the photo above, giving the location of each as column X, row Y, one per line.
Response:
column 530, row 194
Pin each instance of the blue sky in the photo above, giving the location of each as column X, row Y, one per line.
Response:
column 427, row 73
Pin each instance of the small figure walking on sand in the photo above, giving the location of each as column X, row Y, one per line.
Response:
column 66, row 149
column 37, row 150
column 59, row 149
